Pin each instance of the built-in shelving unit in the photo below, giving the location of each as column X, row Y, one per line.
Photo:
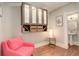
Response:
column 34, row 19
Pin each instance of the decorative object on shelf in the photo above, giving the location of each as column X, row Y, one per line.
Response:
column 34, row 19
column 59, row 20
column 52, row 39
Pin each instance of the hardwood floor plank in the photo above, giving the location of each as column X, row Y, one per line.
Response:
column 56, row 51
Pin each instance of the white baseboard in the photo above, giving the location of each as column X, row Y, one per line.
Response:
column 76, row 43
column 41, row 44
column 62, row 44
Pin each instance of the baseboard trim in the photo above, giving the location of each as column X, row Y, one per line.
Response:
column 41, row 44
column 76, row 43
column 62, row 45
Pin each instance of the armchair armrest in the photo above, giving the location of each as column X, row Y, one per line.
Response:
column 28, row 44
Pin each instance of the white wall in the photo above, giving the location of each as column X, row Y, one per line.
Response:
column 6, row 24
column 61, row 32
column 34, row 37
column 10, row 26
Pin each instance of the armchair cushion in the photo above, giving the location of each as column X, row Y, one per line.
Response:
column 15, row 43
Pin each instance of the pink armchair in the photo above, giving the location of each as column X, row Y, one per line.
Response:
column 16, row 47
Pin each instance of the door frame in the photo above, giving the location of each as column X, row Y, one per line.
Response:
column 66, row 14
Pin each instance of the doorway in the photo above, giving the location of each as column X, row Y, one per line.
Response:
column 72, row 28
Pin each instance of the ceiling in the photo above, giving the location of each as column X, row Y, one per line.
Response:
column 10, row 3
column 50, row 6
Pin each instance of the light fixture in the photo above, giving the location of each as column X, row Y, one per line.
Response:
column 51, row 33
column 52, row 39
column 73, row 17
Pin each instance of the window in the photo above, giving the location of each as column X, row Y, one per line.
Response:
column 39, row 16
column 33, row 18
column 33, row 15
column 26, row 14
column 45, row 17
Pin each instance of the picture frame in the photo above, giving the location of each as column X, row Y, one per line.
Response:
column 59, row 20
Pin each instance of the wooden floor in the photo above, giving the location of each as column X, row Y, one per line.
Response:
column 56, row 51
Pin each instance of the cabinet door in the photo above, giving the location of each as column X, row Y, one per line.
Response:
column 34, row 21
column 39, row 16
column 44, row 16
column 26, row 14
